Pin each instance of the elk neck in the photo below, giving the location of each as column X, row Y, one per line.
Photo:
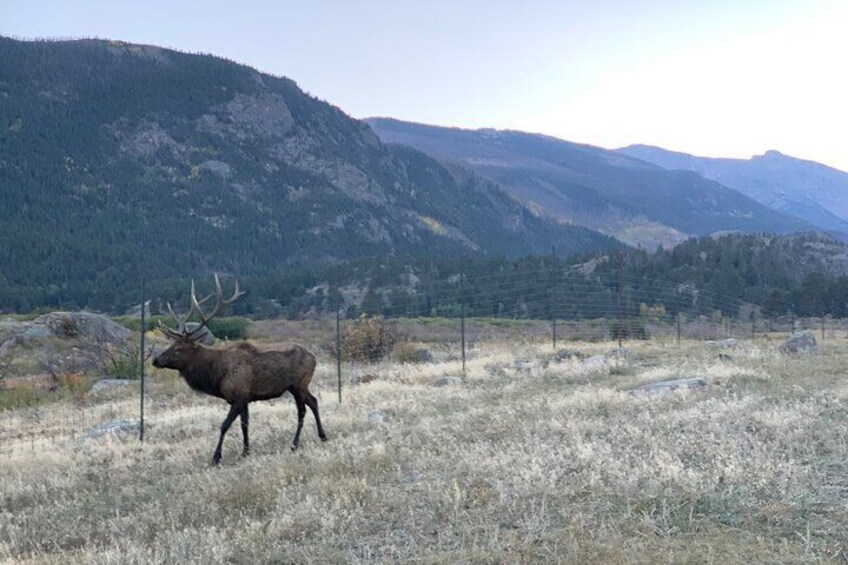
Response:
column 204, row 370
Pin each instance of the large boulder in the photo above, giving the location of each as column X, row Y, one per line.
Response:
column 205, row 336
column 84, row 325
column 801, row 342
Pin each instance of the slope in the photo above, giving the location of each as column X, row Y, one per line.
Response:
column 631, row 199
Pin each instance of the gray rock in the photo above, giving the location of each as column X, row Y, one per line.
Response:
column 423, row 355
column 801, row 342
column 36, row 333
column 84, row 325
column 596, row 363
column 568, row 354
column 622, row 354
column 121, row 428
column 376, row 416
column 205, row 337
column 219, row 168
column 104, row 385
column 724, row 343
column 521, row 364
column 447, row 381
column 662, row 387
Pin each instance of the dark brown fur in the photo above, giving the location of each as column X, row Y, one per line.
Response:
column 242, row 374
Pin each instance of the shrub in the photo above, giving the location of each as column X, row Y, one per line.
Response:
column 406, row 352
column 233, row 327
column 367, row 339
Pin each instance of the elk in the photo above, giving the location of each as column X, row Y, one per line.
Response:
column 240, row 374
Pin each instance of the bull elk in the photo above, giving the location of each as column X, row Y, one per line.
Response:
column 240, row 374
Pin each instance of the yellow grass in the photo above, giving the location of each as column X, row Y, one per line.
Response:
column 525, row 462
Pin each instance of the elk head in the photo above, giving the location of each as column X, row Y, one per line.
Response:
column 186, row 343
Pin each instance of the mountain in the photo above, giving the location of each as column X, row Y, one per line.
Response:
column 631, row 199
column 118, row 160
column 811, row 191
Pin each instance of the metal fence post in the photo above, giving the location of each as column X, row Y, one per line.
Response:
column 141, row 363
column 678, row 328
column 339, row 351
column 462, row 314
column 618, row 301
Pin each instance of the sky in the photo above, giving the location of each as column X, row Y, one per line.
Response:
column 710, row 77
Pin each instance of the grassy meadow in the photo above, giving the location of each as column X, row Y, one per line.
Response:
column 527, row 460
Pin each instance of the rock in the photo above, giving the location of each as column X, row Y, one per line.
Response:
column 35, row 333
column 217, row 167
column 362, row 379
column 725, row 357
column 663, row 387
column 376, row 416
column 595, row 363
column 801, row 342
column 423, row 355
column 104, row 385
column 567, row 355
column 447, row 381
column 622, row 354
column 724, row 343
column 84, row 325
column 205, row 337
column 121, row 428
column 521, row 364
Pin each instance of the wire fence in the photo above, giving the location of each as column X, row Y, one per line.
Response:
column 66, row 409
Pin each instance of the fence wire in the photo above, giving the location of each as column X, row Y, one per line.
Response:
column 63, row 411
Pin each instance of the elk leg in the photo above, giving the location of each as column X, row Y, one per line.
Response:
column 244, row 424
column 301, row 414
column 312, row 402
column 235, row 410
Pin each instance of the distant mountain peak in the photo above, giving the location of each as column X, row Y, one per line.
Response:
column 805, row 189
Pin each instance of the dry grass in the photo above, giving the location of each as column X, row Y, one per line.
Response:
column 526, row 461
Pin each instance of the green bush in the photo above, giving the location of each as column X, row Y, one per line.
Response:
column 234, row 327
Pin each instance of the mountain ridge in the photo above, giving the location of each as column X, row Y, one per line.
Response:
column 809, row 190
column 630, row 198
column 145, row 160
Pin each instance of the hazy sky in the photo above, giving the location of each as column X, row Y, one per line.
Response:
column 717, row 78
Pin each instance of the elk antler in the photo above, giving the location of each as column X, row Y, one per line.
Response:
column 219, row 302
column 196, row 307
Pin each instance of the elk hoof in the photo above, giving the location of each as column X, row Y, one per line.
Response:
column 294, row 447
column 216, row 459
column 323, row 437
column 245, row 453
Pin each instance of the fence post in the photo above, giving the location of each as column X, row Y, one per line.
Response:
column 678, row 328
column 551, row 312
column 141, row 362
column 554, row 332
column 462, row 314
column 339, row 351
column 618, row 301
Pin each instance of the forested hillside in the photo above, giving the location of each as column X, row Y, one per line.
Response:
column 121, row 160
column 801, row 274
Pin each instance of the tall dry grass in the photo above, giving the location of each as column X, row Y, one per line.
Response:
column 526, row 461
